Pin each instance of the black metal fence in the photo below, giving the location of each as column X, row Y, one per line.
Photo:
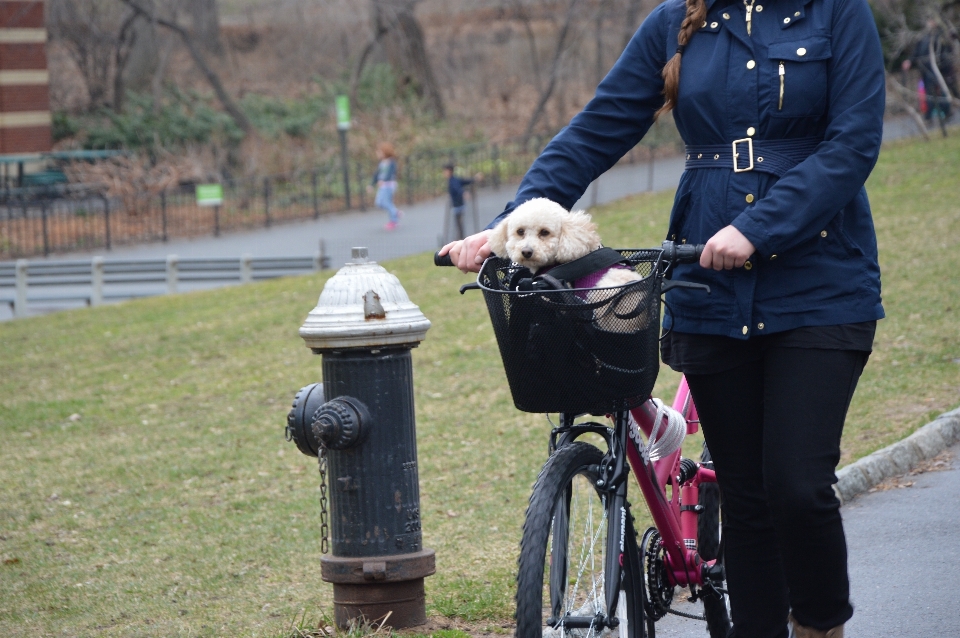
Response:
column 55, row 219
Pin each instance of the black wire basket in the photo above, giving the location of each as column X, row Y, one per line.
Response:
column 589, row 350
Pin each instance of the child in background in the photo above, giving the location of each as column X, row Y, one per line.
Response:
column 455, row 186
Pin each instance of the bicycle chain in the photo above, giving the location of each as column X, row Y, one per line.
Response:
column 685, row 615
column 324, row 527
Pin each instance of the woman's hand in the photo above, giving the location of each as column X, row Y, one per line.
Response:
column 468, row 254
column 726, row 250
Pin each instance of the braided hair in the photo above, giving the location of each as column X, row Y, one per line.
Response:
column 693, row 20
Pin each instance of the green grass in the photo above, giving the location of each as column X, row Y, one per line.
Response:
column 146, row 489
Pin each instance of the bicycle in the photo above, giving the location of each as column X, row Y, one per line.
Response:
column 581, row 571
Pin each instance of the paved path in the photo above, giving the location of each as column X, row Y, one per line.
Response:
column 904, row 549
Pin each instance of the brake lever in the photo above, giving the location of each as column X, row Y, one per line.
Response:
column 471, row 286
column 669, row 284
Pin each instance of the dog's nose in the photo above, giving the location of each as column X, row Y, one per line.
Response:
column 527, row 253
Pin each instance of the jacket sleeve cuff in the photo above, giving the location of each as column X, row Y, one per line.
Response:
column 754, row 231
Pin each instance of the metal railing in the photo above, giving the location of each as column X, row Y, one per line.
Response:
column 95, row 281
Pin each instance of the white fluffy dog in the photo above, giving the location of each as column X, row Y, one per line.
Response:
column 541, row 233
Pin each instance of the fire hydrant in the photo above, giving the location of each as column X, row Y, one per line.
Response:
column 360, row 423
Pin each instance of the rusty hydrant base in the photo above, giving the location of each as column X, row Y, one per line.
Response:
column 369, row 588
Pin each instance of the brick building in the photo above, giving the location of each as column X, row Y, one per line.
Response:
column 24, row 80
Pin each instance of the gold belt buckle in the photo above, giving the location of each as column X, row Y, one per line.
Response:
column 749, row 141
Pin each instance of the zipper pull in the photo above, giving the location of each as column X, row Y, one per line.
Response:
column 782, row 73
column 749, row 12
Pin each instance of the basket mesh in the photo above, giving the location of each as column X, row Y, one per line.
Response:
column 577, row 350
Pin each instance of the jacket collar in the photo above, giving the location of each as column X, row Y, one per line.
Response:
column 793, row 9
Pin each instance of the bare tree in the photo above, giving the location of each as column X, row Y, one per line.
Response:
column 522, row 14
column 564, row 38
column 231, row 107
column 123, row 46
column 396, row 28
column 631, row 19
column 88, row 29
column 206, row 24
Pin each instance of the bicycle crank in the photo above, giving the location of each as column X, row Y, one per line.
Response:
column 659, row 589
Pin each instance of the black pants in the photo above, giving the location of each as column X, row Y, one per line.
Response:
column 773, row 427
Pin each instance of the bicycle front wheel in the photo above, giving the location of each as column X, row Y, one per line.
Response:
column 570, row 531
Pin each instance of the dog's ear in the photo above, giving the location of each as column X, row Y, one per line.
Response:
column 578, row 236
column 497, row 240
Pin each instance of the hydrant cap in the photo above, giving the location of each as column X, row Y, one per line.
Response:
column 363, row 306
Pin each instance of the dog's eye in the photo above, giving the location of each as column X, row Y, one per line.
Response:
column 544, row 232
column 520, row 232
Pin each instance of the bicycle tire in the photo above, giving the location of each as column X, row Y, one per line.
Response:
column 708, row 546
column 563, row 514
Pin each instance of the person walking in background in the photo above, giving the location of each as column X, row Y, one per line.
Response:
column 455, row 186
column 934, row 48
column 385, row 181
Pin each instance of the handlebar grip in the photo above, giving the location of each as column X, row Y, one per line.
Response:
column 442, row 260
column 689, row 253
column 682, row 253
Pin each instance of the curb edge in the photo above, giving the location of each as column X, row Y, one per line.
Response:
column 898, row 458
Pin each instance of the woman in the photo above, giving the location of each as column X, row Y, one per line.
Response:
column 385, row 179
column 780, row 103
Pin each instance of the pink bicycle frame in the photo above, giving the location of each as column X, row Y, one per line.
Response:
column 678, row 528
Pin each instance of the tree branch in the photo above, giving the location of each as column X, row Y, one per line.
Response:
column 237, row 115
column 554, row 70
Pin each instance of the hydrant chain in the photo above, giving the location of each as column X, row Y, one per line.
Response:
column 324, row 527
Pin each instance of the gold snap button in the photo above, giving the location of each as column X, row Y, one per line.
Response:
column 796, row 14
column 751, row 131
column 714, row 25
column 726, row 16
column 760, row 325
column 823, row 233
column 716, row 157
column 746, row 330
column 747, row 265
column 749, row 201
column 673, row 237
column 759, row 8
column 786, row 20
column 801, row 51
column 772, row 257
column 751, row 64
column 683, row 241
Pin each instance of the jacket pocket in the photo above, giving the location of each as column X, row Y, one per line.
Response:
column 799, row 76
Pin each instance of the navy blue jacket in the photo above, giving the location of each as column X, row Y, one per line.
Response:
column 816, row 253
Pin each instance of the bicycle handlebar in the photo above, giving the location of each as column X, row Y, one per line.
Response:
column 672, row 253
